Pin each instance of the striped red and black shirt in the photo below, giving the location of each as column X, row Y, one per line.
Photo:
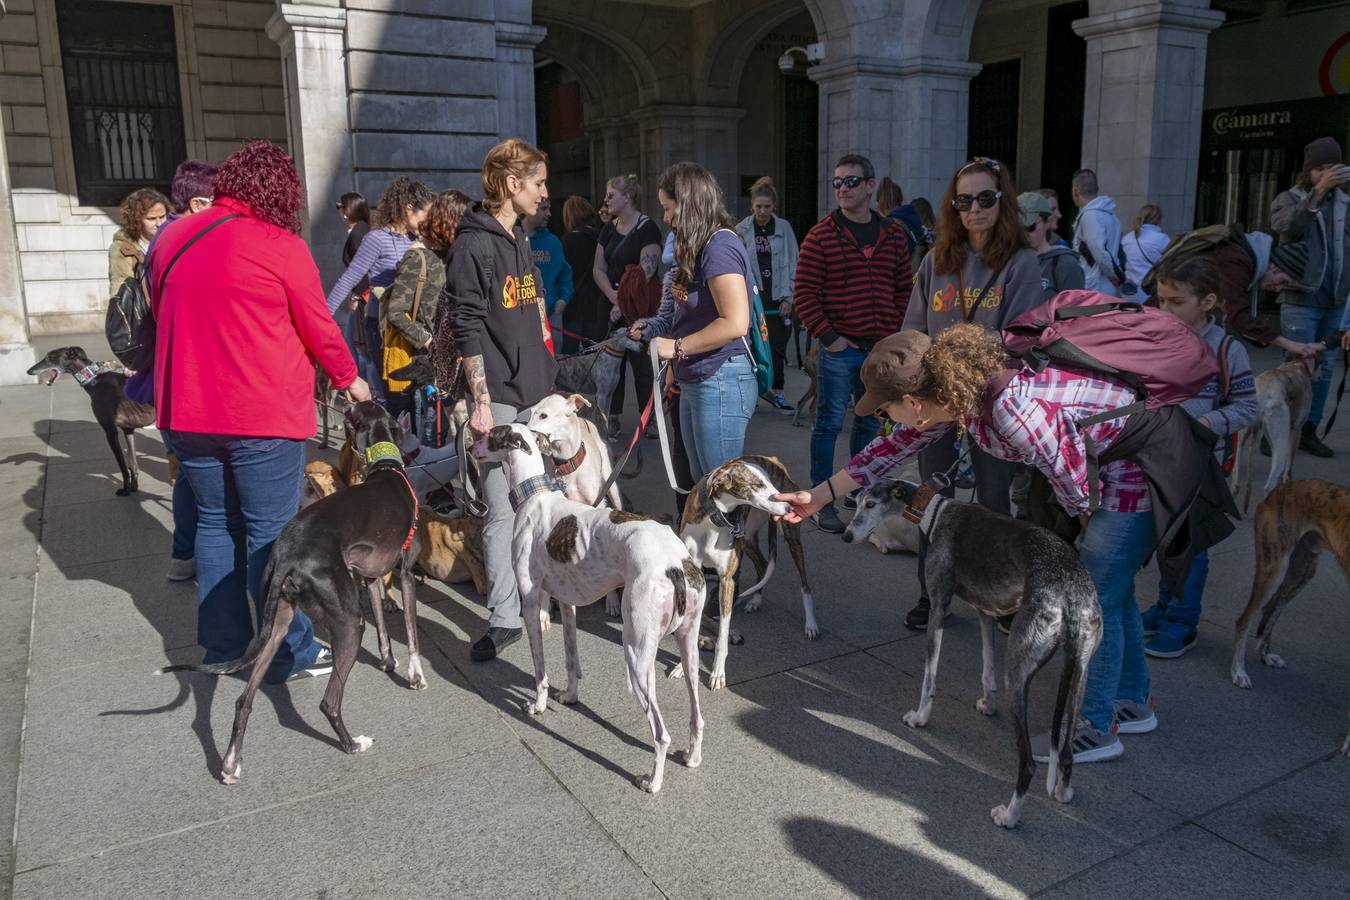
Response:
column 846, row 290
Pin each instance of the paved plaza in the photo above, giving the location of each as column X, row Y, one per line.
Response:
column 811, row 786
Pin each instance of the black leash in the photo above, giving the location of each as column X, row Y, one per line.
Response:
column 1340, row 391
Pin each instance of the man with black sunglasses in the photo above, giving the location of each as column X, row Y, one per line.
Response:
column 852, row 288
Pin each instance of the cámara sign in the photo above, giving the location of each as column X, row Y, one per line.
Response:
column 1276, row 125
column 1227, row 120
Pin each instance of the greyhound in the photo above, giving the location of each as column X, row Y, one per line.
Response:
column 1285, row 396
column 320, row 561
column 113, row 410
column 1000, row 566
column 880, row 519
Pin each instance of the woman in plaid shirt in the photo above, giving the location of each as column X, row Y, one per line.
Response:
column 929, row 387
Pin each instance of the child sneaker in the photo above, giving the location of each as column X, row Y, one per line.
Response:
column 1153, row 618
column 1089, row 745
column 1135, row 718
column 1173, row 638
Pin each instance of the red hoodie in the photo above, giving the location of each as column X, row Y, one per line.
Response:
column 240, row 323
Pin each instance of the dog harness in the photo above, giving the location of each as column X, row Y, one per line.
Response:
column 568, row 466
column 531, row 486
column 90, row 372
column 925, row 508
column 729, row 521
column 386, row 452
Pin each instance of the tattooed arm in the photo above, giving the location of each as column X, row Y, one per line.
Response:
column 466, row 289
column 650, row 259
column 481, row 420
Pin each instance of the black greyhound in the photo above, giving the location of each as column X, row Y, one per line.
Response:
column 1002, row 566
column 112, row 408
column 355, row 535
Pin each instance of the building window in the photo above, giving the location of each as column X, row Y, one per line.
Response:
column 995, row 100
column 126, row 114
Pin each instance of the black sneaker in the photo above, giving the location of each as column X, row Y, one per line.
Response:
column 828, row 519
column 1310, row 443
column 494, row 642
column 850, row 502
column 917, row 618
column 777, row 401
column 322, row 665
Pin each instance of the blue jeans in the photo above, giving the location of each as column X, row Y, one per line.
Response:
column 1187, row 607
column 375, row 348
column 714, row 414
column 839, row 386
column 1306, row 324
column 1113, row 549
column 184, row 511
column 246, row 490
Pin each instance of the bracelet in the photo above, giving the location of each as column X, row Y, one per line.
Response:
column 679, row 348
column 830, row 484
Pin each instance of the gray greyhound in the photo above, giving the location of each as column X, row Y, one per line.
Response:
column 1000, row 566
column 320, row 562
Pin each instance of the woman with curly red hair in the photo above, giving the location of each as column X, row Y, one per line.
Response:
column 240, row 319
column 143, row 212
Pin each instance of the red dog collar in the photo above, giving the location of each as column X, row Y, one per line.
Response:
column 568, row 466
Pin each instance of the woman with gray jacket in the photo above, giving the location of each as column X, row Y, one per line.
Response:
column 1314, row 217
column 773, row 248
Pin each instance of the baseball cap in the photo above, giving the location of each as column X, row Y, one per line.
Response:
column 893, row 369
column 1032, row 206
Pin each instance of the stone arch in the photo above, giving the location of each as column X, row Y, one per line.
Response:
column 726, row 57
column 630, row 56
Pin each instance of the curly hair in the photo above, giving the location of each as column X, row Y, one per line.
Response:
column 1005, row 238
column 510, row 157
column 958, row 368
column 136, row 206
column 699, row 213
column 438, row 231
column 402, row 192
column 191, row 179
column 262, row 176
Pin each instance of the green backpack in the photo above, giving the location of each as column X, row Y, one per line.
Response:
column 757, row 341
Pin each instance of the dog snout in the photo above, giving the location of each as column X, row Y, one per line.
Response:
column 848, row 535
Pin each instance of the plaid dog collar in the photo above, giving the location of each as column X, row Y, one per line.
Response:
column 90, row 372
column 531, row 486
column 568, row 466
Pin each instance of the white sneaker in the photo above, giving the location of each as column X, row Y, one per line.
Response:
column 182, row 569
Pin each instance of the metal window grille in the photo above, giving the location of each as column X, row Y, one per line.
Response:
column 126, row 117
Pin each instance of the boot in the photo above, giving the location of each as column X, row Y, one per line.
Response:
column 1310, row 443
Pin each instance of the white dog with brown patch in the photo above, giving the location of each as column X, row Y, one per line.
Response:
column 576, row 554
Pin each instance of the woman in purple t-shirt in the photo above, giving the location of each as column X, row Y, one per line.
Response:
column 711, row 286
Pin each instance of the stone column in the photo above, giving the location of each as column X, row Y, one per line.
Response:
column 16, row 354
column 1144, row 97
column 515, row 78
column 315, row 80
column 908, row 116
column 704, row 134
column 606, row 155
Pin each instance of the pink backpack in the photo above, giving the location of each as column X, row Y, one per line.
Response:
column 1150, row 350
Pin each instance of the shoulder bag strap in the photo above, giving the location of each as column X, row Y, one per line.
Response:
column 968, row 312
column 159, row 288
column 421, row 283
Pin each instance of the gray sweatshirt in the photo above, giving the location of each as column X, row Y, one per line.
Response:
column 933, row 306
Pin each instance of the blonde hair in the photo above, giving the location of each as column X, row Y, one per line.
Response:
column 511, row 157
column 764, row 188
column 958, row 367
column 628, row 186
column 1149, row 214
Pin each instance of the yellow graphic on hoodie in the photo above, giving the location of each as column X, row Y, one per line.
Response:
column 946, row 299
column 516, row 292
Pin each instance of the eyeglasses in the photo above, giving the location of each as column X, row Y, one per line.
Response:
column 207, row 201
column 986, row 199
column 848, row 181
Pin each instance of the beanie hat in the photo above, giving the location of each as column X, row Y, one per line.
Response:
column 1322, row 152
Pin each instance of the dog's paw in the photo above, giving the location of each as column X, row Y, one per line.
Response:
column 717, row 681
column 986, row 706
column 389, row 663
column 361, row 743
column 1274, row 660
column 812, row 631
column 537, row 705
column 613, row 608
column 647, row 783
column 735, row 638
column 390, row 605
column 754, row 602
column 677, row 672
column 1242, row 679
column 568, row 697
column 231, row 776
column 1002, row 817
column 1063, row 792
column 417, row 682
column 123, row 492
column 914, row 720
column 693, row 757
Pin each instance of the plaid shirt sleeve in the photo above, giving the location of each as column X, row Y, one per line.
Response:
column 1049, row 440
column 889, row 451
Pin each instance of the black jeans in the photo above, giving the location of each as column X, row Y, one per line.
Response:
column 642, row 381
column 993, row 481
column 779, row 333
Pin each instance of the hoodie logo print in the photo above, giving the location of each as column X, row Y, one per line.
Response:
column 517, row 291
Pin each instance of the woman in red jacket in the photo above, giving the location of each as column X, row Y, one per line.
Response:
column 241, row 319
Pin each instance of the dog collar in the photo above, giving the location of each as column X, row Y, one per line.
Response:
column 90, row 372
column 925, row 508
column 729, row 521
column 383, row 450
column 538, row 484
column 568, row 466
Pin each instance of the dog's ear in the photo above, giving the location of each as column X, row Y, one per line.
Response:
column 542, row 443
column 578, row 402
column 404, row 421
column 504, row 437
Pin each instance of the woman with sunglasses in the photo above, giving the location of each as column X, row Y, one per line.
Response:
column 980, row 270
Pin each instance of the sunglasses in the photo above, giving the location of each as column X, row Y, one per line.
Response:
column 848, row 181
column 986, row 199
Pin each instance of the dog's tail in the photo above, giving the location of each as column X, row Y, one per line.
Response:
column 1080, row 641
column 259, row 640
column 772, row 532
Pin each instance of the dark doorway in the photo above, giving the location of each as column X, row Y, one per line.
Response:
column 801, row 118
column 559, row 130
column 1065, row 73
column 995, row 106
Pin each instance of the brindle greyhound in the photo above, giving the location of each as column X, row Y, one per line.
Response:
column 322, row 557
column 113, row 410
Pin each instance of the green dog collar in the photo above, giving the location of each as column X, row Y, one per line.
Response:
column 383, row 450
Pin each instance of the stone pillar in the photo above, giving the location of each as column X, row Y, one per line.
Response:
column 705, row 134
column 606, row 152
column 908, row 116
column 515, row 78
column 1144, row 97
column 315, row 80
column 16, row 354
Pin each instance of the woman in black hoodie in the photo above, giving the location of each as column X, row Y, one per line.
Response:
column 496, row 315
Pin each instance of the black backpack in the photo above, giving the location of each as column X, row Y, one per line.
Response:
column 129, row 324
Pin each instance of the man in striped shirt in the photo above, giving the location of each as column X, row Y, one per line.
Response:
column 852, row 288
